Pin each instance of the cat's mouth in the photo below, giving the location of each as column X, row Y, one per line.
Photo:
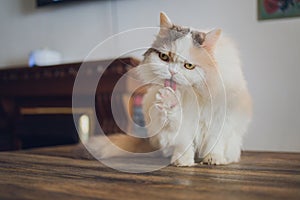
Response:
column 170, row 83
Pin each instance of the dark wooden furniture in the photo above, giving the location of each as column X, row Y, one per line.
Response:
column 54, row 173
column 36, row 103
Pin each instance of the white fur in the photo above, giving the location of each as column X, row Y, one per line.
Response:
column 212, row 112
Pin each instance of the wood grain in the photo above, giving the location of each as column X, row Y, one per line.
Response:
column 54, row 173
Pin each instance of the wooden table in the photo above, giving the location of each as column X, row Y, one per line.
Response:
column 54, row 173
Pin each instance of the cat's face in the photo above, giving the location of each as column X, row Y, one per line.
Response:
column 181, row 54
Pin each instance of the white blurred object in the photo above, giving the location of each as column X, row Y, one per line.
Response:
column 84, row 128
column 44, row 57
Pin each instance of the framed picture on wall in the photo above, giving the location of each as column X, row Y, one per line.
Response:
column 274, row 9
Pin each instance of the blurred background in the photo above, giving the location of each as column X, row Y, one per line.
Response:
column 270, row 49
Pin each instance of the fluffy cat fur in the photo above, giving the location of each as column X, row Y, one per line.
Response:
column 206, row 115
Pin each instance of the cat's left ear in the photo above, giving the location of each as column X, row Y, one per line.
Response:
column 212, row 38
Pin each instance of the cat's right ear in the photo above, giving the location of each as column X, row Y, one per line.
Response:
column 165, row 22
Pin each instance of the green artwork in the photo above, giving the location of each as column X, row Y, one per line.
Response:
column 270, row 9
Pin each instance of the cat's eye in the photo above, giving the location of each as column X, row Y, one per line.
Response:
column 189, row 66
column 164, row 57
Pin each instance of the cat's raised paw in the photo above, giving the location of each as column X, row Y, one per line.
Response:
column 166, row 99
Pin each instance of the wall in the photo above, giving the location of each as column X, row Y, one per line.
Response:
column 72, row 29
column 269, row 49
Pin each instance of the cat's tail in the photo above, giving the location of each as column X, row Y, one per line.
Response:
column 116, row 145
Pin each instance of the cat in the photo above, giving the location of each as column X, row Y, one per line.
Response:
column 197, row 107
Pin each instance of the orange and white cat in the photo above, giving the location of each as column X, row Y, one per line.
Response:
column 198, row 106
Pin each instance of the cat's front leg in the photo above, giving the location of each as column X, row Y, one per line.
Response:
column 226, row 150
column 214, row 152
column 162, row 116
column 183, row 156
column 168, row 104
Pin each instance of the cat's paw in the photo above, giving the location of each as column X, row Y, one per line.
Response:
column 166, row 99
column 184, row 162
column 214, row 159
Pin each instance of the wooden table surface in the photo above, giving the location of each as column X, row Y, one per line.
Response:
column 54, row 173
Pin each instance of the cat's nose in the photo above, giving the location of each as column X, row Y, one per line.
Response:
column 172, row 70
